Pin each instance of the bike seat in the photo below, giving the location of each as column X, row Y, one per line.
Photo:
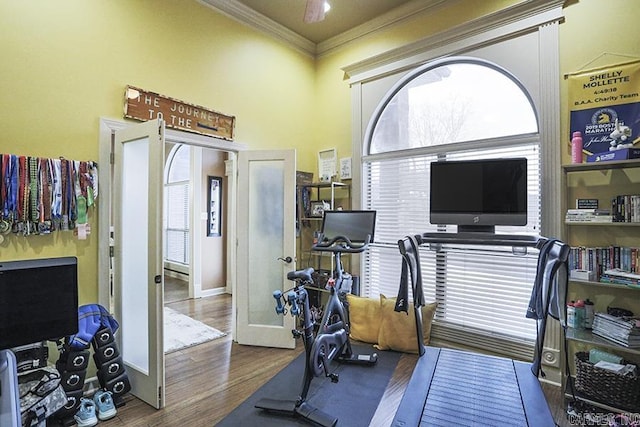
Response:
column 301, row 274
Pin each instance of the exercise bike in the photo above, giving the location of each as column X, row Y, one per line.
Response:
column 331, row 340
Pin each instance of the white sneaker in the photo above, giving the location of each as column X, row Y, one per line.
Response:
column 104, row 402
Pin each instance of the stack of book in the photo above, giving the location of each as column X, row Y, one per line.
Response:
column 620, row 277
column 621, row 330
column 626, row 208
column 588, row 215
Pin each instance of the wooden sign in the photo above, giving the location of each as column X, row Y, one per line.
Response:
column 143, row 105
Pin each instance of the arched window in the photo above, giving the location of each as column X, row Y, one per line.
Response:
column 452, row 109
column 177, row 205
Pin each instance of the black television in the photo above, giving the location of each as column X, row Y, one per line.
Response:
column 38, row 300
column 477, row 195
column 354, row 225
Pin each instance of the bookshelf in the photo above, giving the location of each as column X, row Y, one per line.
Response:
column 601, row 181
column 335, row 195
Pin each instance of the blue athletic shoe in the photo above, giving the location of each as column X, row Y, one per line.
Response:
column 86, row 415
column 104, row 402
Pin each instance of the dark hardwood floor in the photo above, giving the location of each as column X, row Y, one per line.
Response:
column 206, row 382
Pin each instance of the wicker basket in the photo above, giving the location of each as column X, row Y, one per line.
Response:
column 620, row 391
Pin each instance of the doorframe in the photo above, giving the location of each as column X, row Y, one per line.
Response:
column 105, row 142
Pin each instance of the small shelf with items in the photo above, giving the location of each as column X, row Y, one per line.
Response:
column 313, row 199
column 588, row 337
column 600, row 239
column 318, row 204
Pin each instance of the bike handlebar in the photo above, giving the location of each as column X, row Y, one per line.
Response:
column 340, row 244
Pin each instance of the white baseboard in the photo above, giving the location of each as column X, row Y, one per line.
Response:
column 91, row 385
column 211, row 292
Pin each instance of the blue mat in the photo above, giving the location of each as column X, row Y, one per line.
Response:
column 354, row 399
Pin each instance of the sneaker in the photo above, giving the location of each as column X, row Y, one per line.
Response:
column 86, row 415
column 104, row 402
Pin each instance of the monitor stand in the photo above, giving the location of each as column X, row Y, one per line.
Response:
column 9, row 395
column 489, row 229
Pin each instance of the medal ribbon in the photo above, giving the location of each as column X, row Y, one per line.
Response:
column 56, row 177
column 23, row 195
column 33, row 187
column 45, row 191
column 13, row 193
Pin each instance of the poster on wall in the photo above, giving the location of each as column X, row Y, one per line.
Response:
column 214, row 218
column 605, row 106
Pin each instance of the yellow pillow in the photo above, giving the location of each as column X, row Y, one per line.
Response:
column 398, row 330
column 364, row 317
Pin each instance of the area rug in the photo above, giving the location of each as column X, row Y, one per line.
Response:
column 182, row 331
column 353, row 400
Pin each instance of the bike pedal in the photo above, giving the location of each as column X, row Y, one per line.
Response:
column 334, row 378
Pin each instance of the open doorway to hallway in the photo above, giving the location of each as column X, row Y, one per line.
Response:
column 195, row 259
column 175, row 289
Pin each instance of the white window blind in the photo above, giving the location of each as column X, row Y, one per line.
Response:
column 177, row 229
column 177, row 206
column 482, row 292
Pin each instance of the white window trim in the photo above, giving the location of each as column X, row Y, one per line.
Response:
column 541, row 16
column 538, row 16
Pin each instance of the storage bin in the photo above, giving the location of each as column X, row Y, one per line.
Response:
column 620, row 391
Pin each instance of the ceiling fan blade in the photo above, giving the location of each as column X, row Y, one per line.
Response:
column 314, row 12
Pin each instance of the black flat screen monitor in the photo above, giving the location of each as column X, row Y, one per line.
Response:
column 38, row 300
column 354, row 225
column 477, row 195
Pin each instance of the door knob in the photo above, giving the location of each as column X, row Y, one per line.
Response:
column 287, row 260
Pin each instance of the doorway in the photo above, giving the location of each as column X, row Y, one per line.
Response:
column 194, row 222
column 110, row 285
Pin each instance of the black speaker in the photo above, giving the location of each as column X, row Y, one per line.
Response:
column 118, row 385
column 102, row 338
column 72, row 380
column 111, row 369
column 72, row 360
column 102, row 355
column 72, row 405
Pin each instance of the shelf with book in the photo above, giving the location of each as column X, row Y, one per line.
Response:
column 587, row 336
column 597, row 243
column 602, row 223
column 313, row 199
column 612, row 286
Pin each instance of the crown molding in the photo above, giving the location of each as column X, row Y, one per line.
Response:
column 513, row 20
column 391, row 18
column 258, row 21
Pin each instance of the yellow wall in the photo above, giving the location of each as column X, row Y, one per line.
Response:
column 590, row 28
column 333, row 100
column 595, row 33
column 65, row 64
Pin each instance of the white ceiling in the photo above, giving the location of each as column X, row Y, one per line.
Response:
column 347, row 20
column 344, row 15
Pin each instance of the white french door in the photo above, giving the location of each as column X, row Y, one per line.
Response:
column 138, row 159
column 266, row 245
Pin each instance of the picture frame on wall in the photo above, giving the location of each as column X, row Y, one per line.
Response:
column 318, row 208
column 214, row 203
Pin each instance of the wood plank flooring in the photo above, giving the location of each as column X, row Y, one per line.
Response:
column 206, row 382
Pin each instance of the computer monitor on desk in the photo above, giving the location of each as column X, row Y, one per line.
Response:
column 354, row 225
column 478, row 195
column 38, row 302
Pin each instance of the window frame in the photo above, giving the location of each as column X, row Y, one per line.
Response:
column 541, row 21
column 451, row 320
column 168, row 184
